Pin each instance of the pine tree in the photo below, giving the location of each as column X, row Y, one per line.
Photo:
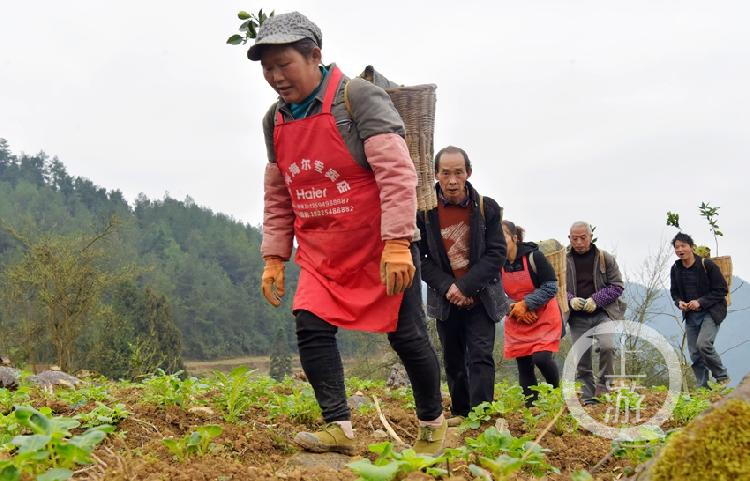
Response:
column 281, row 357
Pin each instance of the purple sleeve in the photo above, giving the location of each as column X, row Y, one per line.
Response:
column 606, row 296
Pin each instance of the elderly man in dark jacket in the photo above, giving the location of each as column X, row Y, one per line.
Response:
column 699, row 291
column 462, row 248
column 594, row 286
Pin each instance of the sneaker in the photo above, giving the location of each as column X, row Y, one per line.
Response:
column 723, row 382
column 591, row 402
column 455, row 421
column 431, row 439
column 330, row 438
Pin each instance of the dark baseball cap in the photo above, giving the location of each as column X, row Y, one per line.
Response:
column 283, row 29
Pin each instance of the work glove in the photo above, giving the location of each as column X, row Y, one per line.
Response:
column 577, row 303
column 272, row 280
column 519, row 310
column 396, row 266
column 590, row 305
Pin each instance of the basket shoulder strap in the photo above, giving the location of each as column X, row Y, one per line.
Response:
column 481, row 205
column 602, row 263
column 347, row 102
column 532, row 262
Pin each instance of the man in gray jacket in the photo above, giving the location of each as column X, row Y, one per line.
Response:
column 594, row 287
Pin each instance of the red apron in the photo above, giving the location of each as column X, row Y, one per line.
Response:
column 336, row 203
column 522, row 339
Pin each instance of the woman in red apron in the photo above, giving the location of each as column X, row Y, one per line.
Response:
column 534, row 325
column 340, row 181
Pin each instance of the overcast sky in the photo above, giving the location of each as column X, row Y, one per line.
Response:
column 610, row 112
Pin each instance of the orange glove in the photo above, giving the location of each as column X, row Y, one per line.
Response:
column 396, row 266
column 272, row 280
column 518, row 310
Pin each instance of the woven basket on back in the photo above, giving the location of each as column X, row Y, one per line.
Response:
column 725, row 266
column 416, row 105
column 555, row 254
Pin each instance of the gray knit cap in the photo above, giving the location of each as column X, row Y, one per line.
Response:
column 283, row 29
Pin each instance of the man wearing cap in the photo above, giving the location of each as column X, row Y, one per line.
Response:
column 340, row 181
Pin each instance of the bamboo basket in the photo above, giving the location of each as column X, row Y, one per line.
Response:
column 416, row 106
column 725, row 266
column 556, row 255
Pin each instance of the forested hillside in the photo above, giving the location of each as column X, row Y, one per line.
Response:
column 197, row 268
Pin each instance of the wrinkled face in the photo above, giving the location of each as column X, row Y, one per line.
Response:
column 683, row 250
column 510, row 239
column 580, row 239
column 292, row 75
column 452, row 176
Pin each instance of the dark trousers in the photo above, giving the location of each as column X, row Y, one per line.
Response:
column 701, row 333
column 580, row 323
column 545, row 361
column 321, row 360
column 468, row 337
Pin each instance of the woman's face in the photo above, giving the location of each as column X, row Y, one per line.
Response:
column 509, row 238
column 292, row 75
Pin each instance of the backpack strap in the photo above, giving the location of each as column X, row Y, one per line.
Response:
column 481, row 205
column 347, row 102
column 532, row 263
column 602, row 262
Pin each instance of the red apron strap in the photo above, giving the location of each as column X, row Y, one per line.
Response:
column 279, row 117
column 333, row 85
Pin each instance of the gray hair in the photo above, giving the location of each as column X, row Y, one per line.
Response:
column 581, row 223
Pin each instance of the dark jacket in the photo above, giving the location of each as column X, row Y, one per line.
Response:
column 486, row 255
column 608, row 283
column 712, row 288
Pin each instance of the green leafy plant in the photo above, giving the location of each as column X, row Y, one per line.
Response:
column 168, row 390
column 251, row 22
column 639, row 451
column 354, row 384
column 391, row 463
column 299, row 406
column 78, row 397
column 711, row 213
column 9, row 398
column 405, row 395
column 198, row 442
column 673, row 219
column 507, row 399
column 51, row 450
column 690, row 405
column 502, row 454
column 103, row 414
column 233, row 392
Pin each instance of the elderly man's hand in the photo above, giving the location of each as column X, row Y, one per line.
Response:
column 590, row 305
column 577, row 303
column 694, row 305
column 455, row 296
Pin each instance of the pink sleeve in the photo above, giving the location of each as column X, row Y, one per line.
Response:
column 397, row 180
column 278, row 217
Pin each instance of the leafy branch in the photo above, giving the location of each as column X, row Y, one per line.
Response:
column 710, row 213
column 251, row 22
